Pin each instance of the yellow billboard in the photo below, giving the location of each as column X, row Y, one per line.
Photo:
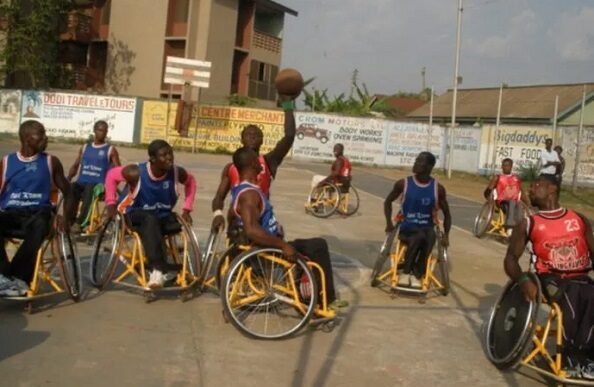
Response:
column 219, row 127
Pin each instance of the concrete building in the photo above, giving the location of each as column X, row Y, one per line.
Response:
column 120, row 46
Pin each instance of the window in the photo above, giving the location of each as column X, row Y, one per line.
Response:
column 261, row 83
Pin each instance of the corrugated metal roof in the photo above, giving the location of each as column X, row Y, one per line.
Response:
column 529, row 102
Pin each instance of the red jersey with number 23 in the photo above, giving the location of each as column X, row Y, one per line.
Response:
column 559, row 243
column 264, row 177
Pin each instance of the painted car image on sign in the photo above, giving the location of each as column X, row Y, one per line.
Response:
column 310, row 130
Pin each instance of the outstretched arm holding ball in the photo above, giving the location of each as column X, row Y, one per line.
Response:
column 289, row 84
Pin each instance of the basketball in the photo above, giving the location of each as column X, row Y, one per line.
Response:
column 289, row 82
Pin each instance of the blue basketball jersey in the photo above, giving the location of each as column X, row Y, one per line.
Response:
column 151, row 193
column 267, row 219
column 419, row 202
column 26, row 182
column 94, row 164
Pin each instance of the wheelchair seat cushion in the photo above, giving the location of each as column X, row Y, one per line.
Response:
column 171, row 227
column 16, row 233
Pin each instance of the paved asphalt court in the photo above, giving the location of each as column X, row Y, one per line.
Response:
column 115, row 339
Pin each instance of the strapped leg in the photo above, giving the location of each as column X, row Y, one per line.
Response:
column 317, row 250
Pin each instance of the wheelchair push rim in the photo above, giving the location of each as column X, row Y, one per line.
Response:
column 482, row 220
column 69, row 264
column 105, row 250
column 193, row 254
column 208, row 257
column 379, row 266
column 323, row 200
column 516, row 317
column 353, row 202
column 266, row 297
column 443, row 263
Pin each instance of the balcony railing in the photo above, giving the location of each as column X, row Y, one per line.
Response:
column 267, row 42
column 77, row 28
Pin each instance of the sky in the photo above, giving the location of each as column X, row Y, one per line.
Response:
column 519, row 42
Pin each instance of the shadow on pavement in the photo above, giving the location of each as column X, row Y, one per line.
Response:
column 13, row 336
column 485, row 303
column 364, row 251
column 325, row 370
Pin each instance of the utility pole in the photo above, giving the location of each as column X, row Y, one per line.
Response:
column 555, row 114
column 455, row 94
column 430, row 121
column 578, row 144
column 423, row 85
column 497, row 124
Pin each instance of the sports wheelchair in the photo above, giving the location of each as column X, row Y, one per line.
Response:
column 391, row 259
column 214, row 262
column 117, row 242
column 94, row 218
column 491, row 219
column 267, row 297
column 55, row 273
column 328, row 198
column 528, row 334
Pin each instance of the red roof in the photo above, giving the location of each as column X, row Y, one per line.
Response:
column 404, row 105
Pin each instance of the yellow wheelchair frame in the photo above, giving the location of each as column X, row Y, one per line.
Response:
column 243, row 288
column 493, row 218
column 430, row 283
column 541, row 341
column 64, row 258
column 325, row 200
column 128, row 250
column 95, row 217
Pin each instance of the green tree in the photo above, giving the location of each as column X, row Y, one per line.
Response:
column 30, row 43
column 358, row 103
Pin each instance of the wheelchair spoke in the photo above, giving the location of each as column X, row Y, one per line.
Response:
column 261, row 295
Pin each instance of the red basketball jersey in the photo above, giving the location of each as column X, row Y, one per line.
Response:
column 508, row 188
column 559, row 243
column 345, row 169
column 264, row 177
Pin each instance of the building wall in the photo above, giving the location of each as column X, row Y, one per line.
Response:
column 574, row 118
column 137, row 32
column 136, row 44
column 220, row 48
column 266, row 56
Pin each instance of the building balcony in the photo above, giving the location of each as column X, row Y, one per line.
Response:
column 77, row 28
column 267, row 42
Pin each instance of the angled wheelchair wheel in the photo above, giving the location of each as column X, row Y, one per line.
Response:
column 105, row 250
column 511, row 326
column 323, row 200
column 267, row 297
column 443, row 267
column 193, row 252
column 382, row 262
column 69, row 265
column 349, row 205
column 209, row 256
column 483, row 219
